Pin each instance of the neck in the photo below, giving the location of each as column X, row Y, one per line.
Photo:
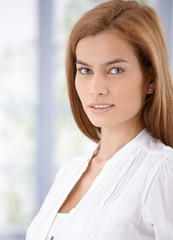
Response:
column 113, row 139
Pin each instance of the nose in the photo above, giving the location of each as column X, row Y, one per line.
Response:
column 99, row 86
column 98, row 92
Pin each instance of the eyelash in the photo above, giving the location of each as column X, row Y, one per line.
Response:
column 117, row 68
column 80, row 70
column 120, row 70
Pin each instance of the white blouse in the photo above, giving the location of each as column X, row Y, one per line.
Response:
column 56, row 226
column 131, row 198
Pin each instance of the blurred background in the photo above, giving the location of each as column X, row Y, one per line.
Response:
column 37, row 131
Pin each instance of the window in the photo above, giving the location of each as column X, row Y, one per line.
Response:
column 36, row 127
column 18, row 97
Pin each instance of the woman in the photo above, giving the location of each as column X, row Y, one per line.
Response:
column 121, row 97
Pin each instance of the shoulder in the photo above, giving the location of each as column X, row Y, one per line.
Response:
column 72, row 166
column 159, row 157
column 158, row 202
column 158, row 151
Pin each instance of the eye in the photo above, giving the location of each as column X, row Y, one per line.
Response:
column 116, row 70
column 85, row 71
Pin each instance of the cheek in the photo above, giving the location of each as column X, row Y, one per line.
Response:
column 132, row 95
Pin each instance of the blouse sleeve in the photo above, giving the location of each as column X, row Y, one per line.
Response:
column 158, row 209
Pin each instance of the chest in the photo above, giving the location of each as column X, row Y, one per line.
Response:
column 115, row 216
column 81, row 188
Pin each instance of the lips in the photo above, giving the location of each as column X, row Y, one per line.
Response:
column 101, row 106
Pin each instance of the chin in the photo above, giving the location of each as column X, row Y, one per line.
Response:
column 101, row 124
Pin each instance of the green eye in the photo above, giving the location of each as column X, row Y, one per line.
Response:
column 116, row 70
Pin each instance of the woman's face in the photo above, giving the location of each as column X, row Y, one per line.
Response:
column 109, row 80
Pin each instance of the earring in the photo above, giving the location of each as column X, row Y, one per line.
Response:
column 149, row 91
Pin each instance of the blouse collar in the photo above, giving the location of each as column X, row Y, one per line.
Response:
column 140, row 139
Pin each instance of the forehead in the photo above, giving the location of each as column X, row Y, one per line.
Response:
column 105, row 45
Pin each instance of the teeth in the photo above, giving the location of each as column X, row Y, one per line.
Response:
column 101, row 106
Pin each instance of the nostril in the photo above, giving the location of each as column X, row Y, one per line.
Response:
column 99, row 92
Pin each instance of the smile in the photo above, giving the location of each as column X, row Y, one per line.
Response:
column 100, row 106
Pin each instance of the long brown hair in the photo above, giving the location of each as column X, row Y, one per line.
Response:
column 142, row 29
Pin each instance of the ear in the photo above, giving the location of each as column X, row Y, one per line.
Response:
column 151, row 82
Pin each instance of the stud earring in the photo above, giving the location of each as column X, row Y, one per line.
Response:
column 149, row 91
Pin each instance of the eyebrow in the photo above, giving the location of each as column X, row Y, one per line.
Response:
column 117, row 60
column 82, row 63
